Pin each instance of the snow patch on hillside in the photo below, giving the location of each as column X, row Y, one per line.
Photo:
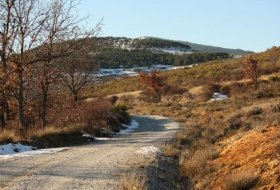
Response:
column 218, row 96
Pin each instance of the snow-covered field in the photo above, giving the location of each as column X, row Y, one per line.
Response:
column 135, row 70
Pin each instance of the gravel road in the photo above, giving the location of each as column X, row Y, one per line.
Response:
column 98, row 165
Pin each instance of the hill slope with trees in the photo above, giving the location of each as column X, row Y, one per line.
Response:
column 113, row 52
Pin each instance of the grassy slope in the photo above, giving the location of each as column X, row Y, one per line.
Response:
column 213, row 131
column 215, row 71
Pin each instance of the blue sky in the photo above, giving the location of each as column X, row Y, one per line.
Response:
column 246, row 24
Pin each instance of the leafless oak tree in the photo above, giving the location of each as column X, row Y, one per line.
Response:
column 34, row 36
column 77, row 71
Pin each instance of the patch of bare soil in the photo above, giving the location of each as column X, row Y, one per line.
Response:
column 257, row 153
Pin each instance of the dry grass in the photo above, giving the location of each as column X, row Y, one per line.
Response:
column 196, row 163
column 47, row 131
column 209, row 127
column 171, row 150
column 193, row 168
column 240, row 181
column 9, row 135
column 133, row 181
column 54, row 136
column 43, row 137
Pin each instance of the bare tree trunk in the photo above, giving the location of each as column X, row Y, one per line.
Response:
column 44, row 107
column 21, row 115
column 7, row 36
column 75, row 96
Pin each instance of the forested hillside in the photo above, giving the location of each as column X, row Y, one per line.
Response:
column 115, row 52
column 114, row 58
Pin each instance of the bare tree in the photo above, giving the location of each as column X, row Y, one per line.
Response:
column 41, row 32
column 77, row 71
column 62, row 36
column 29, row 19
column 251, row 70
column 7, row 35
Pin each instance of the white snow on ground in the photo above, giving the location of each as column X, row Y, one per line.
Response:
column 103, row 138
column 129, row 128
column 148, row 150
column 14, row 148
column 19, row 150
column 218, row 96
column 134, row 71
column 87, row 136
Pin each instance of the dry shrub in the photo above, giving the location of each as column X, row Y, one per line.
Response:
column 240, row 181
column 149, row 95
column 276, row 108
column 121, row 112
column 235, row 122
column 274, row 79
column 9, row 136
column 238, row 88
column 172, row 89
column 128, row 100
column 152, row 85
column 196, row 163
column 208, row 91
column 268, row 90
column 190, row 135
column 99, row 117
column 225, row 89
column 113, row 99
column 133, row 181
column 52, row 136
column 63, row 112
column 193, row 168
column 264, row 93
column 171, row 150
column 255, row 111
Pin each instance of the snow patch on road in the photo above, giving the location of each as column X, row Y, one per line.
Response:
column 18, row 150
column 148, row 150
column 129, row 128
column 92, row 138
column 103, row 138
column 87, row 135
column 14, row 148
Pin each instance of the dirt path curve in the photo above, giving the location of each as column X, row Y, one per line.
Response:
column 95, row 166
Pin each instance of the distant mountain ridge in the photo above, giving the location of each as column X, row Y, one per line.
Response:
column 202, row 48
column 208, row 48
